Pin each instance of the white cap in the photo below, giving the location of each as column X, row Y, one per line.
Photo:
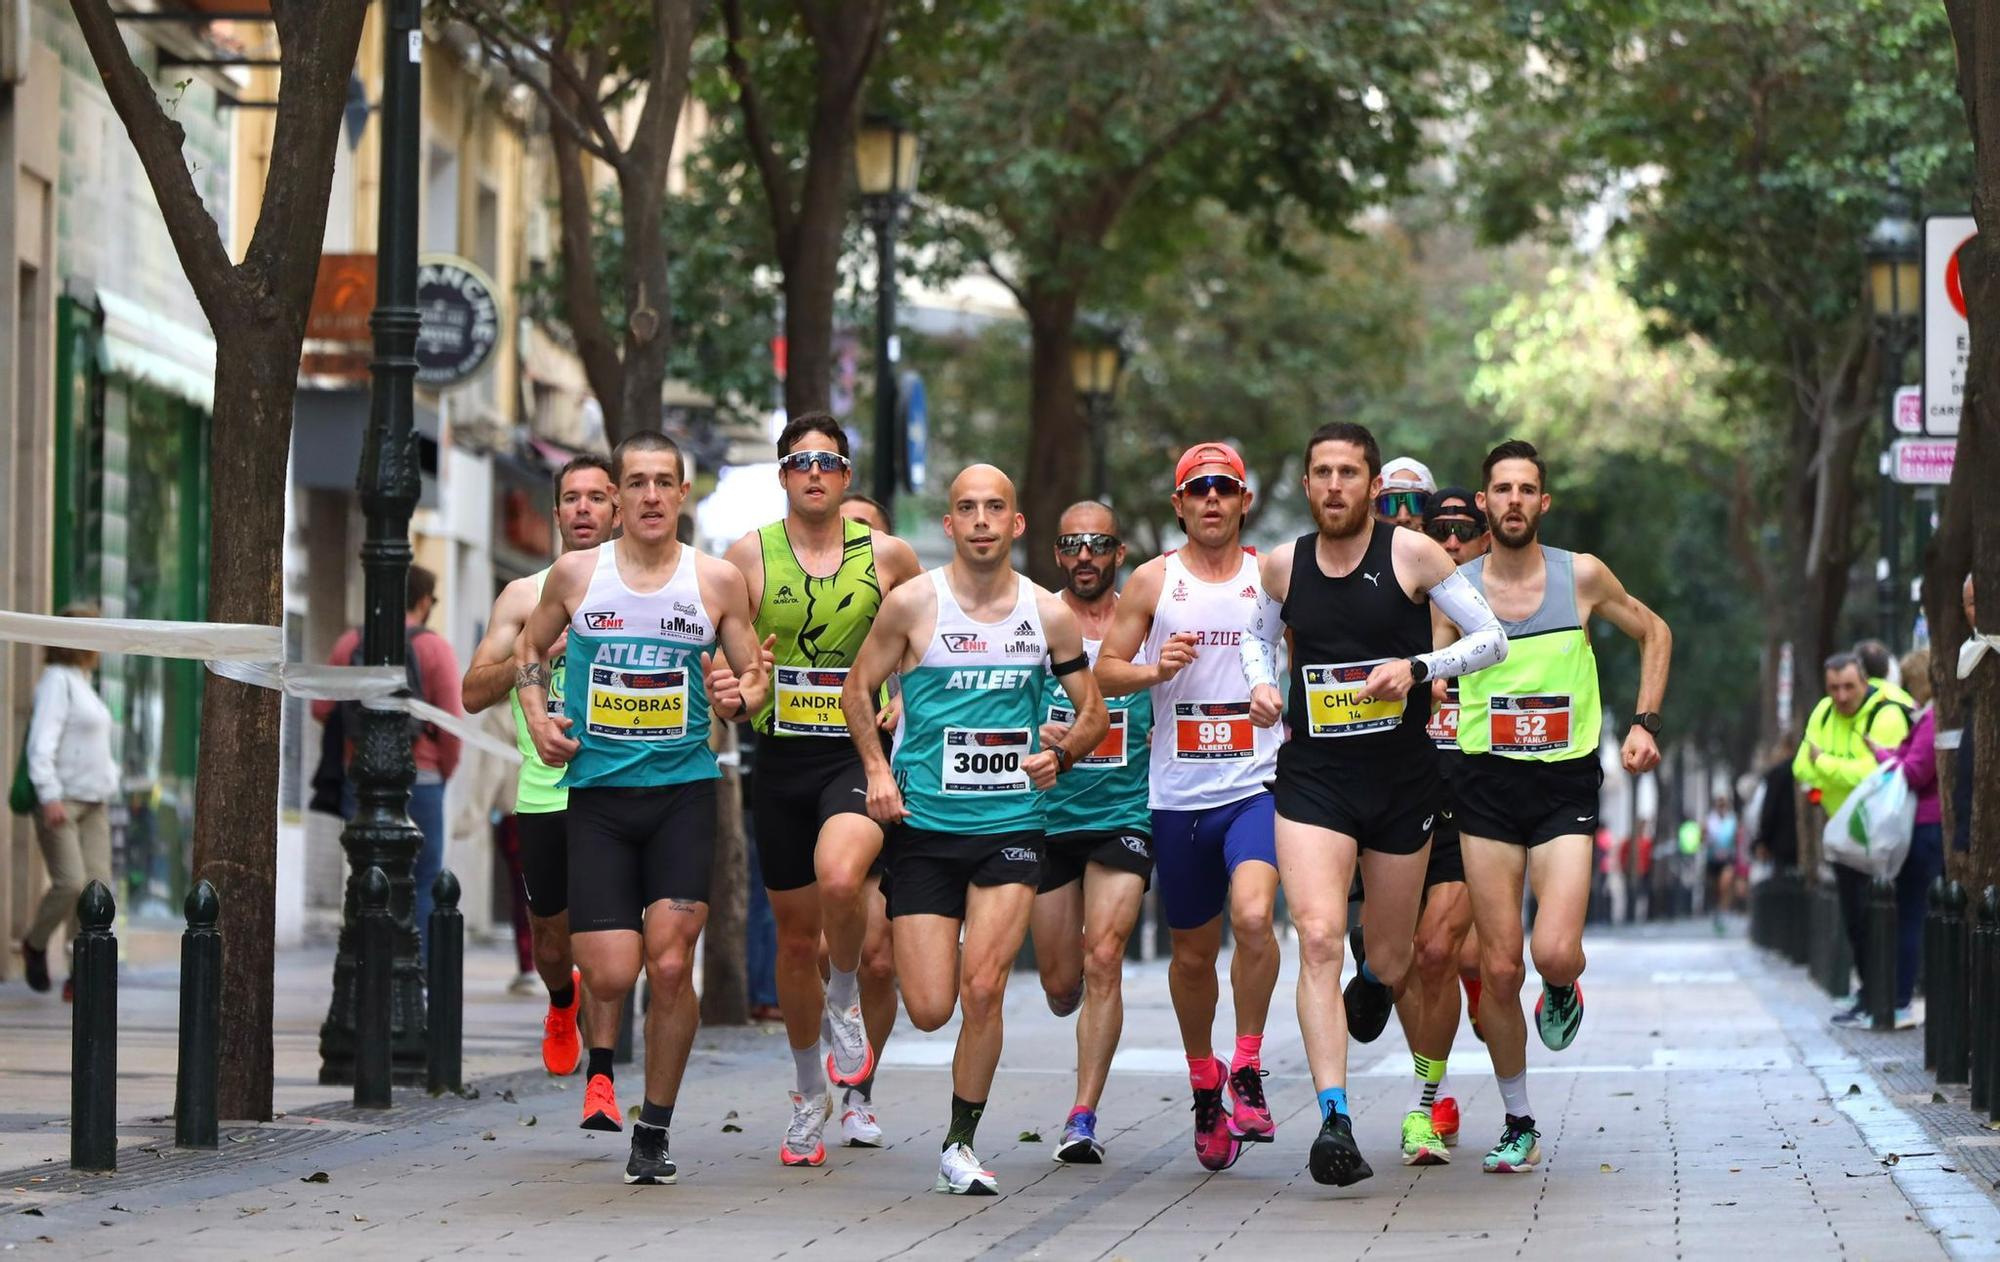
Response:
column 1405, row 470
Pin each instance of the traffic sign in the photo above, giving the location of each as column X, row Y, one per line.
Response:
column 1947, row 335
column 1909, row 412
column 1922, row 461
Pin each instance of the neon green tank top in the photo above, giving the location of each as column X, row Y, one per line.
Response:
column 537, row 791
column 820, row 624
column 1541, row 704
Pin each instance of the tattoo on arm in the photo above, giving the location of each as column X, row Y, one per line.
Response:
column 531, row 675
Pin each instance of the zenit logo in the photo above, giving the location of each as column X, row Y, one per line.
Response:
column 603, row 620
column 684, row 628
column 963, row 642
column 1019, row 854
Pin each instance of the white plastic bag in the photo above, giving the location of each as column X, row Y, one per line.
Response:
column 1871, row 831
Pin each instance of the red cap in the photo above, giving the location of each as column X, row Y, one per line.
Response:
column 1208, row 453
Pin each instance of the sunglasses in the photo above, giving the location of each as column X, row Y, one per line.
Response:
column 1098, row 544
column 1212, row 483
column 823, row 461
column 1389, row 503
column 1463, row 531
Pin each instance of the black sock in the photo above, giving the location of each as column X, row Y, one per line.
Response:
column 600, row 1063
column 964, row 1121
column 563, row 998
column 660, row 1115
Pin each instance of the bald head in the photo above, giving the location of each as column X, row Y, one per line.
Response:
column 1088, row 515
column 983, row 481
column 982, row 521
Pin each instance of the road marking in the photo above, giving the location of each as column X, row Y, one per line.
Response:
column 1696, row 977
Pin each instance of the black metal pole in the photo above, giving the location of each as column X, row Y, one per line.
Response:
column 882, row 214
column 375, row 932
column 1949, row 990
column 1880, row 967
column 201, row 1021
column 1936, row 908
column 93, row 1047
column 1979, row 1012
column 1885, row 568
column 446, row 963
column 381, row 835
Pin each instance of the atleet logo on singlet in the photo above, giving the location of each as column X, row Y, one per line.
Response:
column 603, row 620
column 999, row 677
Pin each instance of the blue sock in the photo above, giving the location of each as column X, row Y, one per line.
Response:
column 1368, row 974
column 1332, row 1100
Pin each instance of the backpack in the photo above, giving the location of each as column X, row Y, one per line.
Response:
column 413, row 674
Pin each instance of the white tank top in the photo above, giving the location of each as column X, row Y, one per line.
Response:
column 1205, row 750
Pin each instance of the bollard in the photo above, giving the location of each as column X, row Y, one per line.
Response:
column 1978, row 1024
column 201, row 1021
column 374, row 958
column 93, row 1057
column 1792, row 917
column 1880, row 966
column 1949, row 986
column 1932, row 961
column 1985, row 1022
column 445, row 1025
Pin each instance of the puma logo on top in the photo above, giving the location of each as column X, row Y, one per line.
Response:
column 1374, row 579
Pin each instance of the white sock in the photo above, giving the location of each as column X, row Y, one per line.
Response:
column 806, row 1064
column 842, row 989
column 1514, row 1094
column 1444, row 1085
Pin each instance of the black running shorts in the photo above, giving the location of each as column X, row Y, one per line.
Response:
column 800, row 783
column 545, row 860
column 631, row 848
column 1447, row 859
column 1066, row 855
column 930, row 872
column 1526, row 802
column 1388, row 805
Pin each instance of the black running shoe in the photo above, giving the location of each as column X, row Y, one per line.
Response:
column 35, row 966
column 650, row 1164
column 1368, row 1007
column 1335, row 1158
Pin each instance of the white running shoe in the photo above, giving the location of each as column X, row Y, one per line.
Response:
column 858, row 1128
column 960, row 1174
column 849, row 1058
column 803, row 1143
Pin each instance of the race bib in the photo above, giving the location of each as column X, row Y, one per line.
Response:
column 1536, row 724
column 1334, row 706
column 1110, row 751
column 1205, row 731
column 809, row 701
column 984, row 760
column 554, row 693
column 638, row 703
column 1443, row 727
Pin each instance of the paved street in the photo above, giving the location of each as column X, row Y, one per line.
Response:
column 1703, row 1109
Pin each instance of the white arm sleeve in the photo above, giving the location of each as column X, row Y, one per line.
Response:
column 1481, row 642
column 1259, row 646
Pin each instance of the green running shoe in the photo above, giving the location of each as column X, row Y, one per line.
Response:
column 1517, row 1152
column 1421, row 1144
column 1559, row 1015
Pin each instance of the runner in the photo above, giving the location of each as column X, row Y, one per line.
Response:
column 1359, row 772
column 1212, row 815
column 971, row 645
column 641, row 613
column 1407, row 487
column 586, row 513
column 1527, row 789
column 815, row 579
column 1098, row 859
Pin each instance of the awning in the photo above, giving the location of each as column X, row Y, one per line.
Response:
column 149, row 347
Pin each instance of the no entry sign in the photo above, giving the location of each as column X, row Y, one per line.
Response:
column 1947, row 336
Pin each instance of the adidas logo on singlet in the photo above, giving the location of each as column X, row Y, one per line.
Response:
column 1249, row 591
column 1026, row 628
column 784, row 596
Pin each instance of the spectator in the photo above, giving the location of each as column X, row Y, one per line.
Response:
column 75, row 777
column 1854, row 718
column 434, row 675
column 1718, row 837
column 1917, row 756
column 1778, row 817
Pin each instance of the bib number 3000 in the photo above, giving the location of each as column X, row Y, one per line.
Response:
column 984, row 760
column 1529, row 724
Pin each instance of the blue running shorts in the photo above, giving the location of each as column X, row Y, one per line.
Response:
column 1196, row 852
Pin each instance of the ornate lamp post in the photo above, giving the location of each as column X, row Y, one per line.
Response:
column 1095, row 362
column 1895, row 290
column 381, row 834
column 885, row 167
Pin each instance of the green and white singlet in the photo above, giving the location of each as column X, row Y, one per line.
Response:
column 970, row 709
column 1106, row 790
column 820, row 624
column 1541, row 704
column 637, row 703
column 538, row 790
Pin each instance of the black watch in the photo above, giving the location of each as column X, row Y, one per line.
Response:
column 1648, row 719
column 1420, row 670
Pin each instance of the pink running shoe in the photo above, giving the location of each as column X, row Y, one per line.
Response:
column 1252, row 1116
column 1216, row 1143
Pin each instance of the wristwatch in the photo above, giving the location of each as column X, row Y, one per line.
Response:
column 1420, row 670
column 1062, row 759
column 1648, row 719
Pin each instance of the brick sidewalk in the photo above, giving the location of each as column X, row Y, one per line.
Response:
column 1696, row 1114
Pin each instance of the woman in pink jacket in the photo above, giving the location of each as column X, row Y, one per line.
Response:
column 1917, row 756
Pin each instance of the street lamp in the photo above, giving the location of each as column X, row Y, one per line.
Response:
column 885, row 167
column 381, row 835
column 1094, row 364
column 1895, row 296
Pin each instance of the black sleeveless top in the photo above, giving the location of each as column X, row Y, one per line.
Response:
column 1341, row 628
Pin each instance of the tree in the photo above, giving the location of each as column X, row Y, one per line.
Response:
column 613, row 76
column 257, row 311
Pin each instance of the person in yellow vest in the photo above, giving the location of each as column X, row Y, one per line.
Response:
column 1854, row 718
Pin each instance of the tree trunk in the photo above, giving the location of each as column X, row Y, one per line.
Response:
column 583, row 303
column 812, row 270
column 1947, row 562
column 725, row 971
column 647, row 328
column 1057, row 449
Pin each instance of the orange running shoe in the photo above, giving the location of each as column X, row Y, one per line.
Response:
column 1444, row 1119
column 1471, row 985
column 562, row 1046
column 600, row 1105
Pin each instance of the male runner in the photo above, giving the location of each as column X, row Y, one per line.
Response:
column 643, row 613
column 1527, row 790
column 586, row 513
column 1188, row 612
column 1407, row 487
column 1359, row 772
column 971, row 645
column 1098, row 858
column 815, row 579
